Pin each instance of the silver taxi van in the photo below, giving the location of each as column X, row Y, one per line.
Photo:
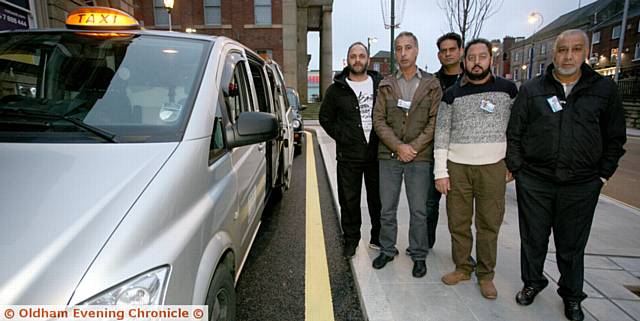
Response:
column 135, row 164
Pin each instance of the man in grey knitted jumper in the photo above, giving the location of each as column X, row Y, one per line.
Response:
column 470, row 146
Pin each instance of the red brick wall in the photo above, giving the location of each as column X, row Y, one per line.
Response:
column 236, row 13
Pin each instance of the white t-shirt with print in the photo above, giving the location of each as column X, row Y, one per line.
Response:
column 364, row 92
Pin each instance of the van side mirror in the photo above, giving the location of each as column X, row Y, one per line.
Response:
column 252, row 128
column 303, row 107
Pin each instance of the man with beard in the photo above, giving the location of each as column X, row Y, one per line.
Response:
column 469, row 168
column 565, row 138
column 345, row 114
column 404, row 119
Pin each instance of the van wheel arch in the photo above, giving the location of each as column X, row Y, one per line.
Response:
column 221, row 296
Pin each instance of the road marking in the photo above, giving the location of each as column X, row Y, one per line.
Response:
column 318, row 304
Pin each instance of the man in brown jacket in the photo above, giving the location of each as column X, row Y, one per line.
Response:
column 404, row 118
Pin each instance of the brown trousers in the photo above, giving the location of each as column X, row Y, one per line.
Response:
column 484, row 184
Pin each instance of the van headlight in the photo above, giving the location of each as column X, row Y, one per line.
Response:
column 295, row 123
column 145, row 289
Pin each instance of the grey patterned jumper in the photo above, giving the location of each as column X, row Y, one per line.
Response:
column 472, row 123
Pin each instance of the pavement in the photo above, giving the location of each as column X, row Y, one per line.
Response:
column 612, row 268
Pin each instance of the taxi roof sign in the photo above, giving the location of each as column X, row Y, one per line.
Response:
column 100, row 18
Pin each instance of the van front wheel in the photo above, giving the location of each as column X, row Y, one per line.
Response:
column 221, row 298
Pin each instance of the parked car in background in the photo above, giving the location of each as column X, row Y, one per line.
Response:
column 136, row 164
column 298, row 123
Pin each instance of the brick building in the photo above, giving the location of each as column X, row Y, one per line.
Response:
column 257, row 24
column 605, row 38
column 380, row 62
column 531, row 56
column 274, row 28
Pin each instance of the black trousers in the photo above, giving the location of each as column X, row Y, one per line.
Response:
column 349, row 191
column 433, row 209
column 568, row 210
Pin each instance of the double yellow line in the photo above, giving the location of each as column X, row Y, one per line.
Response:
column 318, row 304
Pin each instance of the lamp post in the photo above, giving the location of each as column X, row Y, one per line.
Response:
column 495, row 50
column 168, row 5
column 370, row 40
column 534, row 18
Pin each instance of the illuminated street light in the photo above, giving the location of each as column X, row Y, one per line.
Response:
column 535, row 18
column 168, row 5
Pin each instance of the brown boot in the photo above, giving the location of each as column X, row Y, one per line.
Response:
column 487, row 289
column 454, row 277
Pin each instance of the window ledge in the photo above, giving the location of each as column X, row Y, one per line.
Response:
column 254, row 26
column 208, row 27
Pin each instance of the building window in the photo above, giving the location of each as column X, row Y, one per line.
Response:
column 615, row 33
column 262, row 12
column 543, row 49
column 376, row 65
column 516, row 73
column 595, row 38
column 212, row 13
column 540, row 68
column 160, row 14
column 516, row 57
column 614, row 55
column 636, row 56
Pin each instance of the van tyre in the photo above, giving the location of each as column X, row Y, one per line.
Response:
column 221, row 298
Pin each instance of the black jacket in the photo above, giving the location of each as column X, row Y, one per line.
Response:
column 340, row 118
column 581, row 142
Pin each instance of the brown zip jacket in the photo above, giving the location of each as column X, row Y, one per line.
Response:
column 394, row 126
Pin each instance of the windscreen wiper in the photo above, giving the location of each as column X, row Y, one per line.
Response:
column 102, row 133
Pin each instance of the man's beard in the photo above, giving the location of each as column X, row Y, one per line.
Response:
column 479, row 76
column 566, row 71
column 358, row 72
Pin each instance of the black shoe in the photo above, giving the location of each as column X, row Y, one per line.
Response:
column 526, row 295
column 381, row 261
column 474, row 265
column 349, row 249
column 419, row 269
column 573, row 311
column 407, row 252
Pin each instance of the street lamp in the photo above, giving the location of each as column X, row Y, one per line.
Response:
column 168, row 5
column 370, row 40
column 535, row 18
column 495, row 49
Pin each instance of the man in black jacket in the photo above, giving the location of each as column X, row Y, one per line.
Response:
column 345, row 114
column 565, row 138
column 450, row 56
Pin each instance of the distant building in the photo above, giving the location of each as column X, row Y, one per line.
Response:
column 381, row 62
column 530, row 57
column 604, row 45
column 313, row 85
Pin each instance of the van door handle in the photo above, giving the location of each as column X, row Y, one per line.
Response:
column 260, row 146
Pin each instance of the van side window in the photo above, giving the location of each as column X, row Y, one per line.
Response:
column 216, row 147
column 274, row 93
column 260, row 83
column 235, row 87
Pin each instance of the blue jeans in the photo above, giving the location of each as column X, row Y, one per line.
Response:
column 416, row 177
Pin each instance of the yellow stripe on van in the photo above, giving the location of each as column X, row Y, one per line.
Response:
column 318, row 304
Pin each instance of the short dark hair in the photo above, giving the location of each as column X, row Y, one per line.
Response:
column 357, row 43
column 477, row 41
column 449, row 36
column 406, row 34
